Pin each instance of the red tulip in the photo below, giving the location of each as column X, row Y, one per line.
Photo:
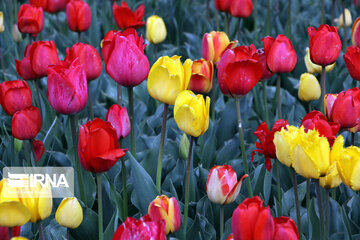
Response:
column 356, row 2
column 201, row 80
column 51, row 6
column 262, row 58
column 15, row 96
column 223, row 5
column 126, row 18
column 231, row 237
column 4, row 232
column 39, row 149
column 280, row 54
column 352, row 61
column 26, row 123
column 88, row 56
column 38, row 56
column 252, row 221
column 119, row 119
column 98, row 146
column 78, row 16
column 324, row 45
column 241, row 8
column 142, row 229
column 285, row 229
column 316, row 120
column 106, row 43
column 266, row 146
column 30, row 19
column 239, row 70
column 222, row 186
column 67, row 87
column 126, row 62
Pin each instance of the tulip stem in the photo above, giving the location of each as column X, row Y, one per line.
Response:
column 119, row 94
column 242, row 146
column 353, row 139
column 213, row 96
column 320, row 207
column 38, row 95
column 288, row 24
column 323, row 89
column 91, row 111
column 327, row 213
column 268, row 16
column 123, row 169
column 73, row 123
column 10, row 232
column 68, row 233
column 345, row 29
column 131, row 109
column 278, row 182
column 187, row 184
column 239, row 30
column 333, row 12
column 322, row 19
column 265, row 104
column 278, row 83
column 221, row 220
column 217, row 20
column 308, row 181
column 162, row 140
column 27, row 153
column 227, row 23
column 41, row 234
column 79, row 36
column 298, row 217
column 100, row 212
column 32, row 153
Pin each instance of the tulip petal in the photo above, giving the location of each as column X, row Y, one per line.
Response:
column 231, row 196
column 13, row 214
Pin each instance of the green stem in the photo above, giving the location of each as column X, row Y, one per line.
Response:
column 345, row 28
column 322, row 19
column 91, row 111
column 268, row 16
column 327, row 214
column 265, row 104
column 41, row 234
column 162, row 140
column 323, row 88
column 3, row 65
column 298, row 217
column 239, row 30
column 353, row 139
column 320, row 207
column 32, row 153
column 242, row 146
column 187, row 184
column 125, row 198
column 79, row 36
column 221, row 220
column 131, row 110
column 278, row 95
column 38, row 95
column 288, row 25
column 74, row 124
column 119, row 94
column 333, row 12
column 100, row 211
column 27, row 153
column 227, row 23
column 217, row 20
column 308, row 181
column 278, row 182
column 309, row 107
column 213, row 96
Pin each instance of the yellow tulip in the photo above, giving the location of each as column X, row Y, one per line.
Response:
column 314, row 68
column 309, row 88
column 191, row 113
column 340, row 19
column 69, row 213
column 284, row 142
column 19, row 238
column 155, row 29
column 168, row 77
column 2, row 27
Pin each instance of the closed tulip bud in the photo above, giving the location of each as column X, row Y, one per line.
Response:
column 329, row 100
column 184, row 147
column 67, row 87
column 309, row 88
column 201, row 80
column 88, row 57
column 314, row 68
column 26, row 123
column 222, row 5
column 16, row 35
column 18, row 145
column 2, row 26
column 191, row 113
column 119, row 119
column 351, row 58
column 262, row 59
column 155, row 29
column 51, row 6
column 222, row 186
column 252, row 221
column 213, row 45
column 340, row 19
column 78, row 16
column 30, row 19
column 15, row 96
column 325, row 44
column 165, row 208
column 168, row 77
column 39, row 148
column 241, row 8
column 285, row 228
column 284, row 141
column 69, row 213
column 125, row 60
column 355, row 33
column 126, row 18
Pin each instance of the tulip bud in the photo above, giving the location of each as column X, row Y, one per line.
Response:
column 39, row 149
column 355, row 33
column 30, row 19
column 329, row 100
column 16, row 34
column 2, row 26
column 15, row 96
column 201, row 80
column 309, row 88
column 241, row 8
column 184, row 147
column 285, row 228
column 351, row 57
column 26, row 123
column 78, row 16
column 155, row 29
column 314, row 68
column 213, row 45
column 18, row 144
column 348, row 19
column 69, row 213
column 119, row 119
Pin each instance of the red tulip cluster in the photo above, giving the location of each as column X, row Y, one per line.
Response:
column 237, row 8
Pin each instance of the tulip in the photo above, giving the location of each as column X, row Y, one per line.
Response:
column 231, row 237
column 331, row 179
column 4, row 232
column 191, row 113
column 78, row 16
column 2, row 26
column 280, row 54
column 98, row 146
column 325, row 44
column 223, row 5
column 69, row 213
column 164, row 208
column 88, row 56
column 266, row 146
column 15, row 96
column 126, row 62
column 314, row 68
column 252, row 221
column 352, row 61
column 30, row 19
column 67, row 87
column 309, row 88
column 355, row 34
column 213, row 45
column 142, row 229
column 16, row 34
column 184, row 147
column 340, row 19
column 155, row 29
column 222, row 186
column 51, row 6
column 201, row 80
column 119, row 119
column 168, row 77
column 106, row 43
column 329, row 100
column 126, row 18
column 19, row 238
column 26, row 123
column 285, row 228
column 239, row 70
column 241, row 8
column 262, row 59
column 39, row 148
column 18, row 144
column 38, row 57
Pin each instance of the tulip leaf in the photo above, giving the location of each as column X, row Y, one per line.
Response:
column 314, row 221
column 88, row 229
